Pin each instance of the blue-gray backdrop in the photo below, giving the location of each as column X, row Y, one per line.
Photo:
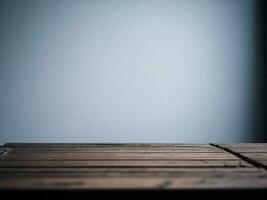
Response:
column 132, row 71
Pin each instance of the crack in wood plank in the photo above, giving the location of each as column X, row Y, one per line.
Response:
column 3, row 151
column 241, row 156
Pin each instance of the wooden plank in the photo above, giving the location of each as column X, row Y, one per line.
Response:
column 255, row 155
column 123, row 172
column 116, row 149
column 125, row 163
column 18, row 157
column 121, row 145
column 248, row 147
column 97, row 178
column 131, row 148
column 115, row 156
column 258, row 158
column 228, row 181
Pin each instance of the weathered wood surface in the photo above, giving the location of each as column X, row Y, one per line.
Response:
column 132, row 166
column 257, row 153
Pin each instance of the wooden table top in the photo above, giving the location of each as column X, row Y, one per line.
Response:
column 133, row 166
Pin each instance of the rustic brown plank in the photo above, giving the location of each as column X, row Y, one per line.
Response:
column 131, row 148
column 229, row 181
column 259, row 159
column 120, row 145
column 248, row 147
column 124, row 172
column 116, row 149
column 255, row 155
column 97, row 178
column 126, row 163
column 117, row 155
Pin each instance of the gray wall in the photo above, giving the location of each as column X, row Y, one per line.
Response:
column 131, row 71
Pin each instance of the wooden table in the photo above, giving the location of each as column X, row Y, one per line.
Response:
column 133, row 166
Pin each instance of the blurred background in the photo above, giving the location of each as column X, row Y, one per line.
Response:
column 111, row 71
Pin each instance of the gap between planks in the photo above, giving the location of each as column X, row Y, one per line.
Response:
column 241, row 156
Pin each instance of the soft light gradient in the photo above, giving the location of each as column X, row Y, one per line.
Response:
column 131, row 71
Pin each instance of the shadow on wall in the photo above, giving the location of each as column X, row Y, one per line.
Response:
column 258, row 113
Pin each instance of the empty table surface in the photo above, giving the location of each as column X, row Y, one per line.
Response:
column 133, row 166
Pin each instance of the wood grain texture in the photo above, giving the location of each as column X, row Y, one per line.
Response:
column 130, row 166
column 73, row 156
column 254, row 153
